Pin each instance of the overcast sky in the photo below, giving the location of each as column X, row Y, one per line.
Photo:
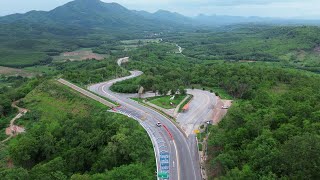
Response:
column 266, row 8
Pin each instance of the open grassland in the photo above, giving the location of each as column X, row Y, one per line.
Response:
column 44, row 69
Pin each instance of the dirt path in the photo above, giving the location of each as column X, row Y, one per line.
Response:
column 13, row 129
column 122, row 60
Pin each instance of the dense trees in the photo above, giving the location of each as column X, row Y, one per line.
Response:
column 18, row 88
column 91, row 71
column 163, row 70
column 292, row 45
column 271, row 130
column 271, row 134
column 77, row 136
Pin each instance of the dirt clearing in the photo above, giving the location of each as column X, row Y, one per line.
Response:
column 80, row 55
column 220, row 110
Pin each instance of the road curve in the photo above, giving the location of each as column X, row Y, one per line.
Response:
column 184, row 162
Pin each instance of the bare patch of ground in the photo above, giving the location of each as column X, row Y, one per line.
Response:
column 14, row 130
column 80, row 55
column 15, row 72
column 122, row 60
column 218, row 111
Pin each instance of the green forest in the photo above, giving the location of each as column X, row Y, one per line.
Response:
column 70, row 136
column 270, row 132
column 295, row 46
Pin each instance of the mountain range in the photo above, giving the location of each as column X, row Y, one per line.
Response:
column 96, row 15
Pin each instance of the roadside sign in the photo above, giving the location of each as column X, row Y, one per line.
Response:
column 196, row 131
column 163, row 175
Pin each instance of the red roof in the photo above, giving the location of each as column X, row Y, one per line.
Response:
column 185, row 107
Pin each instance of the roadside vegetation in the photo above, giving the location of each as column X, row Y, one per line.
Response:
column 272, row 128
column 185, row 103
column 76, row 137
column 92, row 71
column 273, row 132
column 270, row 132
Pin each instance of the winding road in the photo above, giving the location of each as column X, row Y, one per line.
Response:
column 168, row 140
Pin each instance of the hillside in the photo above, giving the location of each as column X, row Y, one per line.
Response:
column 289, row 45
column 167, row 16
column 76, row 135
column 29, row 39
column 89, row 14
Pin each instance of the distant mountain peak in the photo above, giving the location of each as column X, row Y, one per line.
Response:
column 161, row 11
column 89, row 1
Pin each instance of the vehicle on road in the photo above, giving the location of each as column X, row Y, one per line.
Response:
column 225, row 107
column 159, row 124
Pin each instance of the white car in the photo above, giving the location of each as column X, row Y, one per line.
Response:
column 225, row 107
column 159, row 124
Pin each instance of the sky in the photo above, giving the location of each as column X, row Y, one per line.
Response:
column 307, row 9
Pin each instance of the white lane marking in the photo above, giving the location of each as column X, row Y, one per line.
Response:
column 177, row 157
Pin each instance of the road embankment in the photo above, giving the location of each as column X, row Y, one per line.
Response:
column 87, row 93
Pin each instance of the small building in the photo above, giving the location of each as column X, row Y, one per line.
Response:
column 186, row 107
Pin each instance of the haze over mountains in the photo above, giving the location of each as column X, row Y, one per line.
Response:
column 94, row 14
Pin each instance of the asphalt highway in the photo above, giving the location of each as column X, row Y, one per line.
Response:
column 183, row 156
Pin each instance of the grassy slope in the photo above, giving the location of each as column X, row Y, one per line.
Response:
column 164, row 101
column 57, row 108
column 52, row 105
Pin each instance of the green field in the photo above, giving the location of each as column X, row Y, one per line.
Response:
column 45, row 69
column 164, row 101
column 22, row 59
column 129, row 45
